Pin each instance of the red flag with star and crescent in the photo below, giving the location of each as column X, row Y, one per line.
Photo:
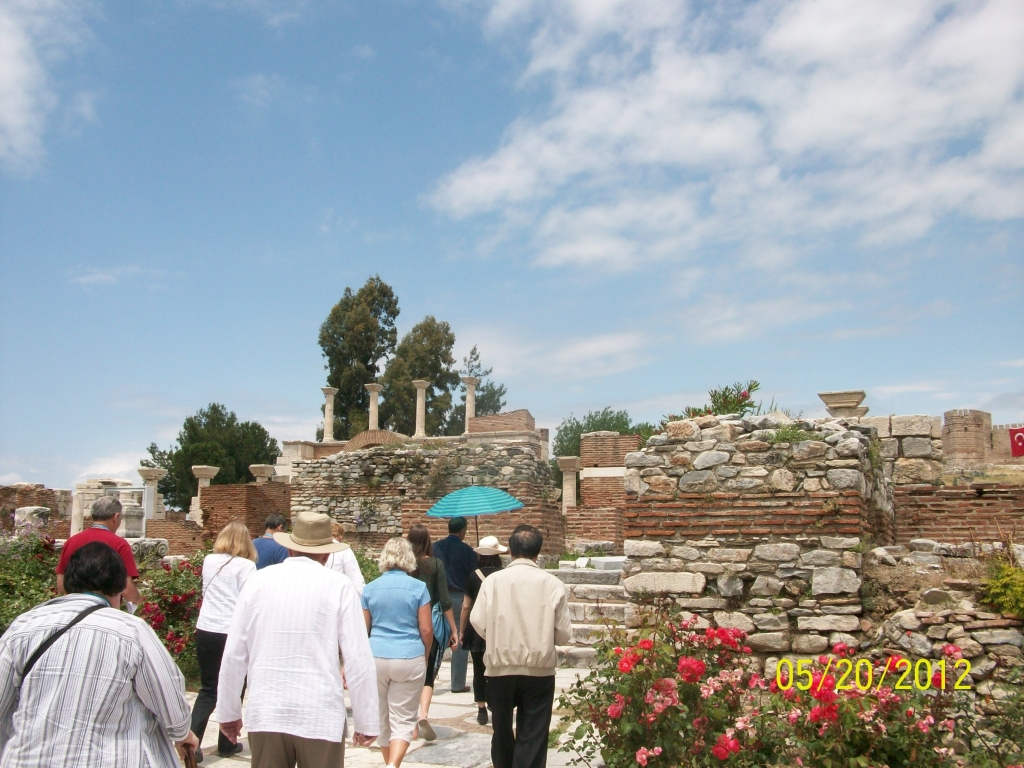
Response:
column 1017, row 442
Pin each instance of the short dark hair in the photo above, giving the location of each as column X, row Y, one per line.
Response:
column 489, row 561
column 95, row 567
column 525, row 541
column 456, row 525
column 276, row 521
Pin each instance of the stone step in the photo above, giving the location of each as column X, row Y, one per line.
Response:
column 597, row 592
column 574, row 656
column 586, row 576
column 591, row 613
column 588, row 634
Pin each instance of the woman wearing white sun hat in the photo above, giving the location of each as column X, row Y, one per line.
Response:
column 490, row 552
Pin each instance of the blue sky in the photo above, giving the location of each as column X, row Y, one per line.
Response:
column 621, row 203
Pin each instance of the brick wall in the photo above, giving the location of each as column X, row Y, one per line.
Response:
column 693, row 516
column 606, row 449
column 958, row 515
column 513, row 421
column 602, row 492
column 250, row 503
column 594, row 524
column 183, row 537
column 13, row 497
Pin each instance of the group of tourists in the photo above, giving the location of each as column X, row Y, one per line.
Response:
column 287, row 622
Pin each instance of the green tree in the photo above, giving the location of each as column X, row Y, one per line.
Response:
column 490, row 395
column 424, row 353
column 213, row 436
column 357, row 335
column 569, row 432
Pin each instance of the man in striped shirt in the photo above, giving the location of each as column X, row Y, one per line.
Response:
column 106, row 692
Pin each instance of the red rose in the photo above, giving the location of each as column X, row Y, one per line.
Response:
column 646, row 644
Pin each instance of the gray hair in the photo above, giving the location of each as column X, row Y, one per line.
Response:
column 397, row 554
column 105, row 507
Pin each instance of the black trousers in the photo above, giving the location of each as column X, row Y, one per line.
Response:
column 209, row 650
column 532, row 698
column 479, row 681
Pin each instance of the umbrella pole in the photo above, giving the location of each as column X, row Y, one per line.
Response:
column 476, row 519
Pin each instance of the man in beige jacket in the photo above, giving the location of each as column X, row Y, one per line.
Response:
column 522, row 613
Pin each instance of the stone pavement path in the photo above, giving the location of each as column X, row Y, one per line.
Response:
column 461, row 742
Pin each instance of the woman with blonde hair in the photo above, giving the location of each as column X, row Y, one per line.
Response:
column 344, row 562
column 397, row 612
column 224, row 574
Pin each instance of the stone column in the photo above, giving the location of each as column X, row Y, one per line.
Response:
column 150, row 476
column 421, row 407
column 262, row 472
column 329, row 393
column 204, row 474
column 570, row 466
column 374, row 390
column 470, row 382
column 77, row 513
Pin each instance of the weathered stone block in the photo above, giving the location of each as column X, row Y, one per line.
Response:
column 828, row 623
column 729, row 586
column 710, row 459
column 917, row 447
column 821, row 557
column 809, row 449
column 726, row 555
column 901, row 426
column 770, row 622
column 686, row 429
column 702, row 603
column 841, row 479
column 734, row 621
column 783, row 480
column 999, row 637
column 661, row 484
column 766, row 586
column 698, row 482
column 832, row 581
column 889, row 448
column 752, row 446
column 711, row 569
column 881, row 423
column 777, row 553
column 639, row 459
column 637, row 548
column 850, row 447
column 666, row 583
column 706, row 422
column 809, row 644
column 686, row 553
column 769, row 642
column 840, row 542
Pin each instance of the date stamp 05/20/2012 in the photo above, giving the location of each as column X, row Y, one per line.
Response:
column 863, row 675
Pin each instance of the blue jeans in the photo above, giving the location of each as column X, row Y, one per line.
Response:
column 460, row 657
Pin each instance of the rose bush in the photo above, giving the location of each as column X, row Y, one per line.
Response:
column 827, row 721
column 172, row 596
column 28, row 564
column 671, row 695
column 675, row 696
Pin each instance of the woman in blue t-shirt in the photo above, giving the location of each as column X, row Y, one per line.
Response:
column 397, row 611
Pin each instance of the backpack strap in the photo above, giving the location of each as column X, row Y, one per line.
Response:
column 55, row 636
column 479, row 574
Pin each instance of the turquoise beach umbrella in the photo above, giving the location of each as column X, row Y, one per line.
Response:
column 473, row 501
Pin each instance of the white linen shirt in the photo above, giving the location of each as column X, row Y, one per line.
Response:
column 223, row 578
column 106, row 693
column 345, row 563
column 289, row 624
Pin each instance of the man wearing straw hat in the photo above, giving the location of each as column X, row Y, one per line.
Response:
column 288, row 627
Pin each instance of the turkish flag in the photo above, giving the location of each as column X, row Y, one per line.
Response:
column 1017, row 442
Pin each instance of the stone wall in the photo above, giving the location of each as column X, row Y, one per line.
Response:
column 726, row 476
column 13, row 497
column 959, row 515
column 798, row 594
column 911, row 447
column 251, row 503
column 379, row 492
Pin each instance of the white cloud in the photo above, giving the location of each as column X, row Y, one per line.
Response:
column 120, row 466
column 672, row 128
column 1012, row 363
column 10, row 478
column 260, row 90
column 99, row 276
column 34, row 36
column 921, row 387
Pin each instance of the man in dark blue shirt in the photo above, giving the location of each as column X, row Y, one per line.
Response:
column 270, row 552
column 459, row 561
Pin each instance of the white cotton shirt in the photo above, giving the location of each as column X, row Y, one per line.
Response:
column 345, row 563
column 290, row 623
column 223, row 578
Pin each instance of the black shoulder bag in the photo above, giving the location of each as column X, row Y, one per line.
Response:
column 56, row 636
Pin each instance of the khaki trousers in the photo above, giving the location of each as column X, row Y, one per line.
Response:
column 399, row 684
column 282, row 750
